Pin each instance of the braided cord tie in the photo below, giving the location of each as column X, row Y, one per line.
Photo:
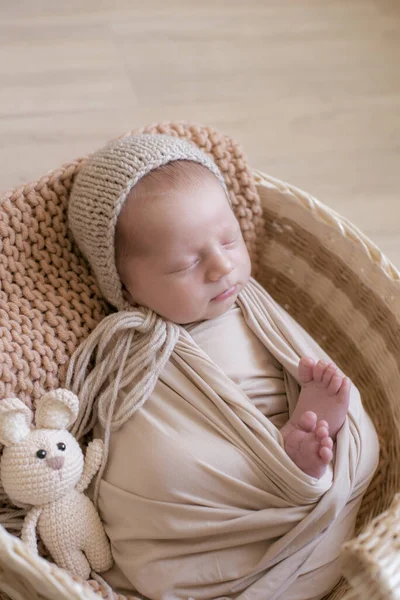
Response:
column 129, row 350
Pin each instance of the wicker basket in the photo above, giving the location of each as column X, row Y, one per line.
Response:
column 341, row 288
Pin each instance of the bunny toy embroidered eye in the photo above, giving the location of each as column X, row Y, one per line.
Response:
column 44, row 467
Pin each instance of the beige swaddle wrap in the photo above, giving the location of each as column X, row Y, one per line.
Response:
column 199, row 498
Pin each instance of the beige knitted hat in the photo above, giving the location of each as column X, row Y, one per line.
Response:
column 101, row 188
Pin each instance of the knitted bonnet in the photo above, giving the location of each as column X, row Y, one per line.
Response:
column 129, row 348
column 101, row 188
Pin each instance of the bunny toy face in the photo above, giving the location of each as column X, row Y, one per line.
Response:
column 40, row 465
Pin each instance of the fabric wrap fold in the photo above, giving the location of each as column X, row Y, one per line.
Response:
column 199, row 498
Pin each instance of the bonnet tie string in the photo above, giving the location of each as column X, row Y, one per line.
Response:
column 128, row 350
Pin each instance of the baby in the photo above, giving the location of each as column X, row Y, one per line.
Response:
column 187, row 261
column 221, row 414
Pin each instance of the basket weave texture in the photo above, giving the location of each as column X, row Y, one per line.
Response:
column 315, row 263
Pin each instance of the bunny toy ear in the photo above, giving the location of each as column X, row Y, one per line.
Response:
column 15, row 421
column 57, row 409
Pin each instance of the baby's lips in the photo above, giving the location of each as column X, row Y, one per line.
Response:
column 226, row 293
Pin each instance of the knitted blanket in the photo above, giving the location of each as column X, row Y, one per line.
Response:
column 49, row 300
column 200, row 499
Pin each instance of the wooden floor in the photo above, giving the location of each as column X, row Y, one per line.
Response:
column 311, row 88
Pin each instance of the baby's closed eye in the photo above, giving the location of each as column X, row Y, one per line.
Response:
column 232, row 241
column 228, row 241
column 186, row 267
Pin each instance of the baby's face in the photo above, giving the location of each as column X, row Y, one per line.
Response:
column 180, row 251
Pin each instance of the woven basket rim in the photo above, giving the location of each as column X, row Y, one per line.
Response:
column 341, row 224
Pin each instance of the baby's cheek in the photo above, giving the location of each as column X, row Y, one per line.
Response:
column 243, row 261
column 187, row 300
column 186, row 294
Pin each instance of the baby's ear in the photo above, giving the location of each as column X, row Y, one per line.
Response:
column 57, row 409
column 15, row 421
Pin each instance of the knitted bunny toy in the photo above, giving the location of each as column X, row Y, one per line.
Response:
column 44, row 467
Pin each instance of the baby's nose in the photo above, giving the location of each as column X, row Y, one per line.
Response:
column 56, row 462
column 219, row 267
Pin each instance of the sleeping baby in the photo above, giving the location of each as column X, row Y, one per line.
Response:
column 237, row 451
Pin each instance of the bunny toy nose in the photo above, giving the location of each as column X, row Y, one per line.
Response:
column 56, row 462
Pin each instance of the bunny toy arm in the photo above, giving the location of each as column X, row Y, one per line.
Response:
column 28, row 533
column 94, row 455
